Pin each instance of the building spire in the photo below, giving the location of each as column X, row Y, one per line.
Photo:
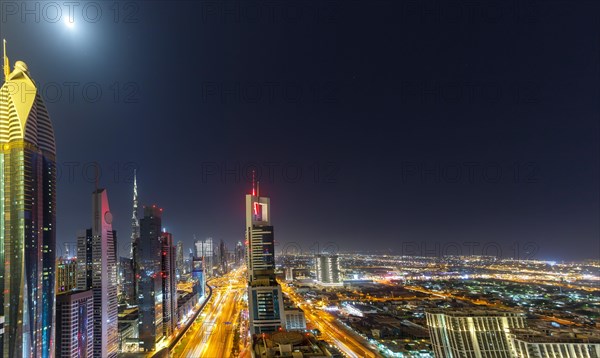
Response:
column 6, row 63
column 253, row 184
column 135, row 223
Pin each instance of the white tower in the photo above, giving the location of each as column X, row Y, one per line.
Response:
column 104, row 278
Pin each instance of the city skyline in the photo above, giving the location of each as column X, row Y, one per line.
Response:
column 335, row 179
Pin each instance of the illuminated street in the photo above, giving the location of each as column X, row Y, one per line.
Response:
column 348, row 342
column 213, row 330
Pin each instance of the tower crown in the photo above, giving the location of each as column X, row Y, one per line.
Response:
column 6, row 63
column 21, row 66
column 23, row 114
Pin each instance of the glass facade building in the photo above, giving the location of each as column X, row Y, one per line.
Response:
column 150, row 296
column 265, row 299
column 104, row 278
column 27, row 219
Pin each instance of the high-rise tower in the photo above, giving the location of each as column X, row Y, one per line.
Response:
column 179, row 259
column 222, row 257
column 135, row 222
column 135, row 236
column 169, row 284
column 104, row 278
column 327, row 269
column 27, row 219
column 150, row 297
column 265, row 300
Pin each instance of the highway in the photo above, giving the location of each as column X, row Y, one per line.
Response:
column 349, row 342
column 214, row 330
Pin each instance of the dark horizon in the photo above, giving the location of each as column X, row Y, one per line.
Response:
column 373, row 126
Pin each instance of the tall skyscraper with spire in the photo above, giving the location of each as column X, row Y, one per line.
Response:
column 104, row 277
column 135, row 222
column 27, row 217
column 265, row 300
column 135, row 237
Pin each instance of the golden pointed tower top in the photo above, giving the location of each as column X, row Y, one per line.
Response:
column 6, row 63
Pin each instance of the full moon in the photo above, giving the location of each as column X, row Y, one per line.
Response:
column 70, row 23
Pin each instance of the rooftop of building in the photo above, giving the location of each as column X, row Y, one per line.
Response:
column 73, row 295
column 581, row 336
column 289, row 344
column 474, row 312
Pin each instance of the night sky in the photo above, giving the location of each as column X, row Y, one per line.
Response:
column 416, row 127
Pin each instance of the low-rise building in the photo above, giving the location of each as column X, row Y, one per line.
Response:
column 555, row 344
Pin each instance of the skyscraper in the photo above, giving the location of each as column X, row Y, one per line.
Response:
column 472, row 333
column 208, row 254
column 150, row 299
column 222, row 257
column 204, row 250
column 179, row 260
column 27, row 204
column 327, row 269
column 135, row 235
column 169, row 284
column 104, row 277
column 198, row 250
column 84, row 260
column 198, row 274
column 239, row 253
column 75, row 324
column 265, row 300
column 126, row 280
column 66, row 274
column 135, row 222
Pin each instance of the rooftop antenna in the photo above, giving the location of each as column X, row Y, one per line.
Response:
column 258, row 188
column 253, row 184
column 6, row 63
